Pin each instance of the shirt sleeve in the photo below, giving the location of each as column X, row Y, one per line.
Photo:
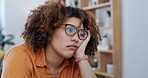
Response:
column 16, row 64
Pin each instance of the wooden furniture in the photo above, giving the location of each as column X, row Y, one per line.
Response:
column 112, row 55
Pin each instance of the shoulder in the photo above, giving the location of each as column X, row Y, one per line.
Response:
column 17, row 59
column 21, row 50
column 19, row 53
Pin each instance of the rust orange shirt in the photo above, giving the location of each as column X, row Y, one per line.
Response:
column 22, row 62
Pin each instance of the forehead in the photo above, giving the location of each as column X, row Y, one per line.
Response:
column 74, row 21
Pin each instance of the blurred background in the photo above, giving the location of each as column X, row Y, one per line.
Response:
column 134, row 20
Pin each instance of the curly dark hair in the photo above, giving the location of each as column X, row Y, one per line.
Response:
column 43, row 21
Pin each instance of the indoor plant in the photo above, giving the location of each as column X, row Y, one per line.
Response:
column 6, row 39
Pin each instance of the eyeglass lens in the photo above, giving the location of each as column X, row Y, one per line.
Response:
column 71, row 30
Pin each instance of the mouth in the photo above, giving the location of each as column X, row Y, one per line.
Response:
column 72, row 47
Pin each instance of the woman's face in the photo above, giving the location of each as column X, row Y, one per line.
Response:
column 65, row 44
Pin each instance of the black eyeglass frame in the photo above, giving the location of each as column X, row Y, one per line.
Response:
column 77, row 31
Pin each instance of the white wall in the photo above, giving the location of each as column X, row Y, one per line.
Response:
column 0, row 14
column 15, row 14
column 135, row 38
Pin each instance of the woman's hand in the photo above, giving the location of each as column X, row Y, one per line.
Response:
column 80, row 52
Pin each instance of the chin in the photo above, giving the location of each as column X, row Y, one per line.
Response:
column 68, row 56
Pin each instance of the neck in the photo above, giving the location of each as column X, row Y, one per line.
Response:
column 53, row 59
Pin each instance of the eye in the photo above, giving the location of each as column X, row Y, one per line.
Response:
column 82, row 34
column 70, row 30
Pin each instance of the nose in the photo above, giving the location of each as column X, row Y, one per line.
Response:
column 75, row 38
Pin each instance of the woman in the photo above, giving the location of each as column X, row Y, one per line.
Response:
column 57, row 42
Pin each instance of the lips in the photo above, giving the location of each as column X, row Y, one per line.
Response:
column 72, row 47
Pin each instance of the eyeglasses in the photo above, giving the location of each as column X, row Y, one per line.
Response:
column 72, row 30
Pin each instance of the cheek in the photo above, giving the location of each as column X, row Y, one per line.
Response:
column 58, row 34
column 63, row 36
column 60, row 37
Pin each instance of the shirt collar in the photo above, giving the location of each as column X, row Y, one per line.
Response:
column 65, row 63
column 40, row 58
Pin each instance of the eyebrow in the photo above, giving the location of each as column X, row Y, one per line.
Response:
column 75, row 26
